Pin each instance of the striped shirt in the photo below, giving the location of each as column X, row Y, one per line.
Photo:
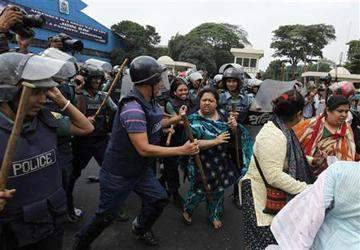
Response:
column 132, row 117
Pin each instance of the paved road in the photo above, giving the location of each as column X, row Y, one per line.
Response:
column 174, row 235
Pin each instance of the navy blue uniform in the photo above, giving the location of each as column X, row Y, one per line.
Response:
column 242, row 102
column 94, row 144
column 33, row 217
column 242, row 105
column 124, row 170
column 64, row 148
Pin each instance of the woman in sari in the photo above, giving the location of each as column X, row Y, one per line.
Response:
column 328, row 134
column 213, row 133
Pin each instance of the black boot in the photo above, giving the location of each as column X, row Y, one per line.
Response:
column 122, row 215
column 79, row 245
column 147, row 237
column 87, row 235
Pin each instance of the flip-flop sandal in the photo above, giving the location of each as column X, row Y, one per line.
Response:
column 185, row 220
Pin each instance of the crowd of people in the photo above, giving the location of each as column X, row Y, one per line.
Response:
column 191, row 125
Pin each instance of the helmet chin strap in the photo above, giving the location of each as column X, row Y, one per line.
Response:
column 152, row 95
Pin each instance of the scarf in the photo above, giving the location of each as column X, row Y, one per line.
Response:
column 298, row 166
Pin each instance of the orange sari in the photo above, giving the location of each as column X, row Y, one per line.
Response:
column 341, row 144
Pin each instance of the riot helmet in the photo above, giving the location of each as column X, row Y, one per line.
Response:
column 105, row 66
column 34, row 69
column 89, row 72
column 218, row 78
column 194, row 78
column 233, row 73
column 145, row 70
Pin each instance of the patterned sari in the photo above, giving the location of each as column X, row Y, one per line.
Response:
column 311, row 136
column 221, row 172
column 219, row 169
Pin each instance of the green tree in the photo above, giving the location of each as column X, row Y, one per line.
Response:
column 138, row 40
column 201, row 56
column 214, row 39
column 220, row 35
column 273, row 71
column 298, row 43
column 353, row 60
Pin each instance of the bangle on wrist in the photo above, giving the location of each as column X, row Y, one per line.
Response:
column 66, row 106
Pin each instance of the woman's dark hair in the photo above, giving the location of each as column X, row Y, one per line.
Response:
column 174, row 84
column 209, row 90
column 288, row 105
column 336, row 101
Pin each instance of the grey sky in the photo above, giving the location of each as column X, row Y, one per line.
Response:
column 258, row 17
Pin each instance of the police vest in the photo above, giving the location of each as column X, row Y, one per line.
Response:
column 121, row 157
column 242, row 105
column 36, row 176
column 92, row 105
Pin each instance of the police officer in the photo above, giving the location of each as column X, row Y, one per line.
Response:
column 64, row 147
column 233, row 83
column 115, row 95
column 195, row 79
column 32, row 218
column 92, row 145
column 132, row 148
column 218, row 83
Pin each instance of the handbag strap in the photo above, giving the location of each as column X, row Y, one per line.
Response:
column 261, row 173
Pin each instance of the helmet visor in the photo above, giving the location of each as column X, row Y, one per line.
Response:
column 40, row 68
column 126, row 83
column 105, row 66
column 164, row 83
column 58, row 54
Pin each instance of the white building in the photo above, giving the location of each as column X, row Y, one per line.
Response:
column 248, row 58
column 175, row 66
column 342, row 74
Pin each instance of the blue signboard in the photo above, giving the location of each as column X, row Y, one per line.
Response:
column 59, row 24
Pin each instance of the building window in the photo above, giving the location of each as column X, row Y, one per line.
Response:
column 239, row 60
column 246, row 62
column 253, row 63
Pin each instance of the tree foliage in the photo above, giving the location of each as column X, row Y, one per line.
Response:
column 304, row 43
column 273, row 71
column 208, row 45
column 138, row 40
column 353, row 59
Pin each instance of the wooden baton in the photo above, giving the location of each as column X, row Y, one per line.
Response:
column 197, row 158
column 237, row 155
column 15, row 132
column 112, row 86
